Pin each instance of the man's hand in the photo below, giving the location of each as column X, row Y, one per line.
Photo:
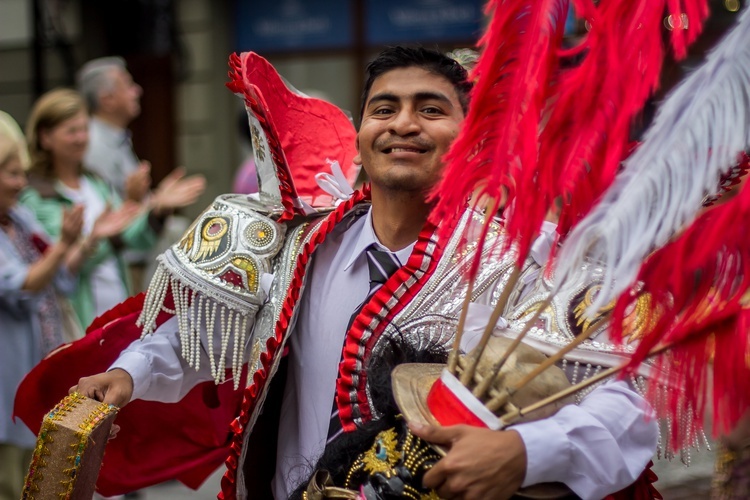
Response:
column 138, row 183
column 480, row 463
column 177, row 191
column 113, row 387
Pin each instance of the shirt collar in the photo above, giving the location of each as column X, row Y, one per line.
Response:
column 367, row 237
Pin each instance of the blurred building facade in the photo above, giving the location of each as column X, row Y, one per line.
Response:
column 177, row 50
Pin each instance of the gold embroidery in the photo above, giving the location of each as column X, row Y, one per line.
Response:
column 640, row 319
column 211, row 235
column 251, row 271
column 260, row 153
column 582, row 319
column 383, row 454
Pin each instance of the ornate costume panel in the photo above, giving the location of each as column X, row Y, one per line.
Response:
column 214, row 275
column 430, row 317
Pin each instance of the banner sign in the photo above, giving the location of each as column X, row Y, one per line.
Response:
column 285, row 25
column 402, row 21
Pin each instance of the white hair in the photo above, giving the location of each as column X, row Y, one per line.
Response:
column 96, row 77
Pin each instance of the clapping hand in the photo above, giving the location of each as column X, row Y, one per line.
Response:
column 138, row 183
column 177, row 191
column 72, row 222
column 113, row 222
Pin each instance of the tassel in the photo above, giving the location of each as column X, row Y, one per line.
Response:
column 153, row 303
column 238, row 350
column 211, row 308
column 195, row 330
column 696, row 137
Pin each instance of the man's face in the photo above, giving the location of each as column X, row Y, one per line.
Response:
column 124, row 98
column 410, row 118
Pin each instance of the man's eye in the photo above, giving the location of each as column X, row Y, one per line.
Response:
column 432, row 110
column 382, row 111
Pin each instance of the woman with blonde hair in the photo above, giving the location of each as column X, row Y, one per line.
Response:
column 57, row 134
column 32, row 268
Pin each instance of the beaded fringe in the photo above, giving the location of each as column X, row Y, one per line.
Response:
column 693, row 436
column 192, row 310
column 690, row 434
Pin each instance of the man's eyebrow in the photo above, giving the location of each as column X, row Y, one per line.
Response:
column 419, row 96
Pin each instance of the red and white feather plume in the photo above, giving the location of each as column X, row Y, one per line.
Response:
column 699, row 287
column 588, row 132
column 695, row 140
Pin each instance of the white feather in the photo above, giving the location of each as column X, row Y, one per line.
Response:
column 696, row 137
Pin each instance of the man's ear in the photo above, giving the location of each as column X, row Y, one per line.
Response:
column 104, row 101
column 357, row 159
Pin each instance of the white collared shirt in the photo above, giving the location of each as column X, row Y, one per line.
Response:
column 336, row 286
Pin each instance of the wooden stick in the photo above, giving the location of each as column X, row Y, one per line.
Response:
column 512, row 416
column 498, row 401
column 515, row 415
column 490, row 380
column 468, row 374
column 453, row 356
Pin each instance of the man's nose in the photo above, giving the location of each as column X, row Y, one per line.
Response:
column 405, row 123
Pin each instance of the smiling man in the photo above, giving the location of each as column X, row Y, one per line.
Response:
column 361, row 263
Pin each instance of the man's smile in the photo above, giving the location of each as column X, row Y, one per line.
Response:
column 404, row 147
column 403, row 150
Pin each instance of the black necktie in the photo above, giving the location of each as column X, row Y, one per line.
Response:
column 381, row 265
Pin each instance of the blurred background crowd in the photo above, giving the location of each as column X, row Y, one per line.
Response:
column 116, row 130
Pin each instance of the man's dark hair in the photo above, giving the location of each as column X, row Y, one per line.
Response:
column 427, row 59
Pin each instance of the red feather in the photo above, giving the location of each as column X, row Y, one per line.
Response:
column 588, row 131
column 699, row 287
column 496, row 151
column 535, row 133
